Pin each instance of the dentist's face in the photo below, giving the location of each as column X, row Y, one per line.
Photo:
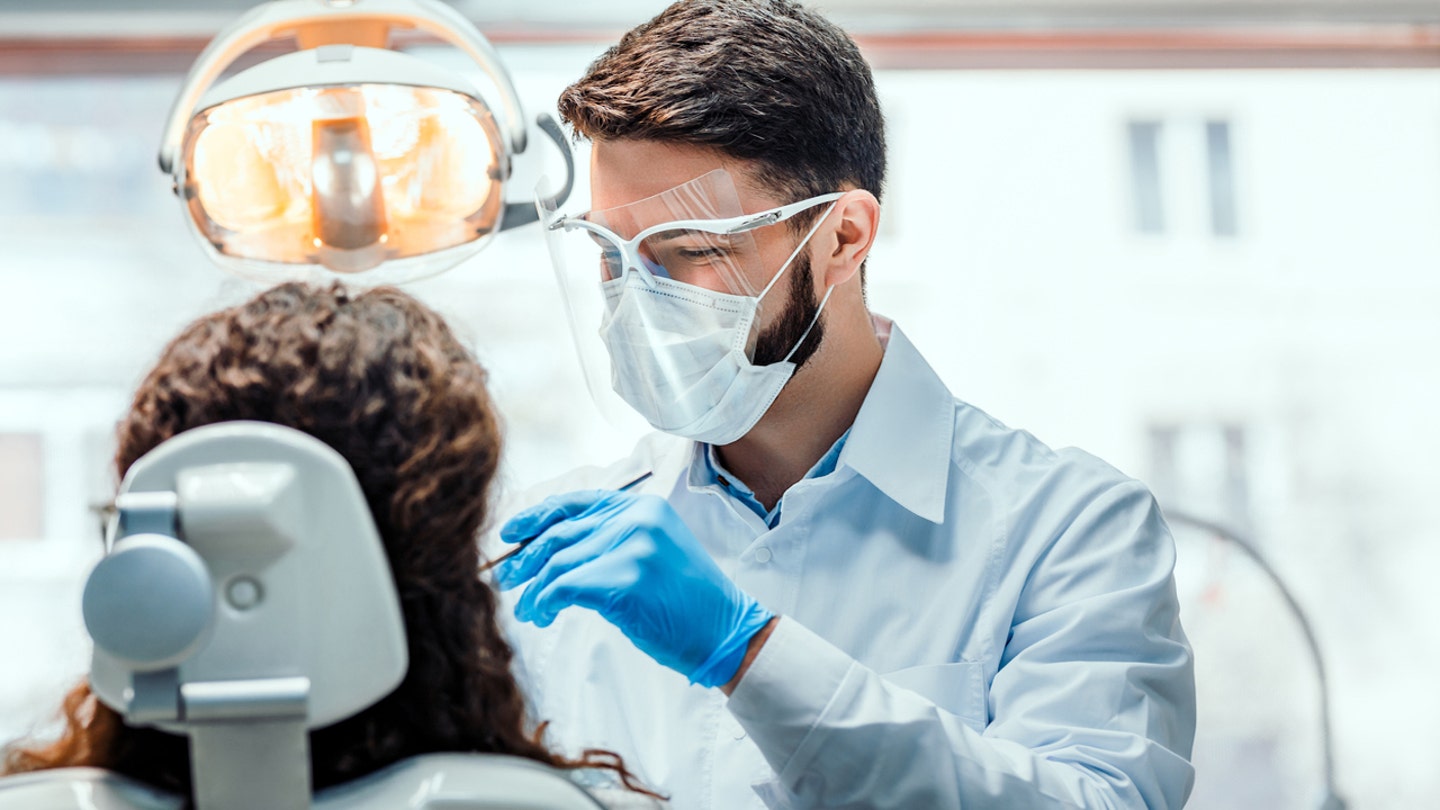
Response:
column 626, row 171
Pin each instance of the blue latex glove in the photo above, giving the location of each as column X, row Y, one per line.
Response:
column 633, row 560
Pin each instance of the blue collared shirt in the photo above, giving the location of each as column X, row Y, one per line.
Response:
column 969, row 619
column 708, row 470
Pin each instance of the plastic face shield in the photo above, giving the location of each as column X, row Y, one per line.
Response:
column 696, row 234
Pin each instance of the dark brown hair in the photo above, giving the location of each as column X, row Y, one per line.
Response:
column 381, row 379
column 766, row 81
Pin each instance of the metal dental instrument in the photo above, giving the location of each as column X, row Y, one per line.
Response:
column 486, row 566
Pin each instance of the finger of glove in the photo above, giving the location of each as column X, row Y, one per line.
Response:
column 597, row 584
column 582, row 553
column 525, row 563
column 534, row 521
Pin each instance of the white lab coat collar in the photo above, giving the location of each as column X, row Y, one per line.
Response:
column 901, row 438
column 903, row 434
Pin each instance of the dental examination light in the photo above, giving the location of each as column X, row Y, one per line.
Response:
column 346, row 157
column 1330, row 799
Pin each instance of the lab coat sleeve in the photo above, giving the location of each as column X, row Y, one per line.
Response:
column 1092, row 705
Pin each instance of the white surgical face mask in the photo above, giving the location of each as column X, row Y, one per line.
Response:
column 677, row 354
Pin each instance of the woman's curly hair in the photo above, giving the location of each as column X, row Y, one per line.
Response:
column 381, row 379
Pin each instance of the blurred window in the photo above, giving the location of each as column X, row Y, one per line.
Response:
column 1145, row 176
column 1202, row 468
column 22, row 490
column 72, row 148
column 1222, row 178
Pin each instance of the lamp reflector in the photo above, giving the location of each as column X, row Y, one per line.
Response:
column 346, row 177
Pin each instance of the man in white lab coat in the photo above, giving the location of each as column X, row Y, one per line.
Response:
column 832, row 584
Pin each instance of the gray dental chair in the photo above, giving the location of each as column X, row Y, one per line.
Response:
column 245, row 600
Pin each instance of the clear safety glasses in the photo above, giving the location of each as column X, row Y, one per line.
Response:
column 707, row 253
column 697, row 234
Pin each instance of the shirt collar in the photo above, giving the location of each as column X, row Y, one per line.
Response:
column 902, row 437
column 900, row 441
column 707, row 471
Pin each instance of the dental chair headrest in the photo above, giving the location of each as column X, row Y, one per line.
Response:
column 245, row 568
column 246, row 599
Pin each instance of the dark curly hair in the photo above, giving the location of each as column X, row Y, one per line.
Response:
column 767, row 81
column 381, row 379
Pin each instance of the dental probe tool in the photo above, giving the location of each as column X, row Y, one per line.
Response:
column 512, row 552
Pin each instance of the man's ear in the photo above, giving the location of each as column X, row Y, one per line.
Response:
column 857, row 218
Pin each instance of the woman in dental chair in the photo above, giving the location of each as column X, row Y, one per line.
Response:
column 382, row 380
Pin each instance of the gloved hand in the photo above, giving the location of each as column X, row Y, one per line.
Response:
column 633, row 560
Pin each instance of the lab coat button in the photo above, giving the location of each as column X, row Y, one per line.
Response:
column 762, row 555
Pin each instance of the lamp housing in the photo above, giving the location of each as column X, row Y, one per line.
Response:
column 345, row 158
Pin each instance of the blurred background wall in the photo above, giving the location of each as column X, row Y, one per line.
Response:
column 1201, row 240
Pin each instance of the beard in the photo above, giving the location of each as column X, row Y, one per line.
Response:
column 801, row 307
